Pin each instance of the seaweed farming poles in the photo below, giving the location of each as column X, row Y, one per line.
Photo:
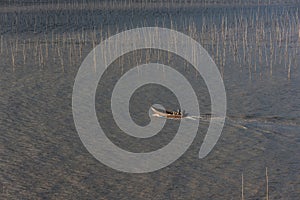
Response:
column 257, row 41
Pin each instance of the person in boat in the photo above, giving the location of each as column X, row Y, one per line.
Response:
column 178, row 112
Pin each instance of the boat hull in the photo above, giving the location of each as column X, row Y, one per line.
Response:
column 163, row 114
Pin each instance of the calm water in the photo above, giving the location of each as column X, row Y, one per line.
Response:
column 43, row 157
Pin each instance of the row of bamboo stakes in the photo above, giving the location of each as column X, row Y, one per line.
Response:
column 251, row 43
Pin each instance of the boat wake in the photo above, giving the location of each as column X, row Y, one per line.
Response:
column 206, row 118
column 191, row 117
column 259, row 124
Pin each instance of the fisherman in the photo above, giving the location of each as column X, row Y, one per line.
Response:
column 179, row 112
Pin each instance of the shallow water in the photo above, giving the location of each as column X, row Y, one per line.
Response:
column 42, row 155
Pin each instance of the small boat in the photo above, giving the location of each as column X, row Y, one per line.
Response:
column 167, row 114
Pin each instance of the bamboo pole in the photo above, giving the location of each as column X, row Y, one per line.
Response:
column 267, row 186
column 242, row 186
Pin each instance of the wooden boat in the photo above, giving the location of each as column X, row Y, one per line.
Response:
column 167, row 114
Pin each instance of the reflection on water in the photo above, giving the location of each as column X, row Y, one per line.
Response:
column 43, row 157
